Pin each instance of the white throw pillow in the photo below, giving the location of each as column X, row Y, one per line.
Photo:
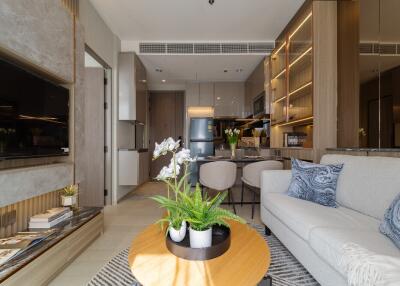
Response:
column 366, row 268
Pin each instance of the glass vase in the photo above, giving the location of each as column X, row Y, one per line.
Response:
column 233, row 150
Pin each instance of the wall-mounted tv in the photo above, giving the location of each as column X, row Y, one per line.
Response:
column 34, row 114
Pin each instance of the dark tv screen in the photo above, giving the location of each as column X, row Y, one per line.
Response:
column 34, row 114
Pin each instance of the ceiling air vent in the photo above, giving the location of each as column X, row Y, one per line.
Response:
column 152, row 48
column 379, row 49
column 366, row 48
column 234, row 48
column 387, row 49
column 207, row 48
column 179, row 48
column 263, row 48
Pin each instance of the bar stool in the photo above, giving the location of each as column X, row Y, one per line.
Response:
column 219, row 176
column 251, row 178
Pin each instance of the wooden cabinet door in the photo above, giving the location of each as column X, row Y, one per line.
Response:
column 192, row 94
column 229, row 99
column 141, row 91
column 206, row 95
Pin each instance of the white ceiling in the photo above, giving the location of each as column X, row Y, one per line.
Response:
column 183, row 68
column 197, row 20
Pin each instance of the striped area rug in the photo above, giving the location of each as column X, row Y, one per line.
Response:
column 285, row 270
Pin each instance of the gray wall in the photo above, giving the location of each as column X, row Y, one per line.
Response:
column 40, row 34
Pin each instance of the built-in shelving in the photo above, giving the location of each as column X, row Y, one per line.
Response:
column 303, row 69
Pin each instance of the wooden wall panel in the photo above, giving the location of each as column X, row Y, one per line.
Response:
column 27, row 208
column 348, row 73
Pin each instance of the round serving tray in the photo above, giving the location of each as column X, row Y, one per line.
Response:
column 221, row 240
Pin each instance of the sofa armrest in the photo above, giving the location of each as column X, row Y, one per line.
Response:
column 275, row 181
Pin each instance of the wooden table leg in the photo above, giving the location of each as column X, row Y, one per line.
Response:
column 266, row 281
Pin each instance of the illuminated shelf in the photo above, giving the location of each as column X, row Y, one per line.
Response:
column 300, row 58
column 280, row 99
column 282, row 72
column 305, row 89
column 297, row 122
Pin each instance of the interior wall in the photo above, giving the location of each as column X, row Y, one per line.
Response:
column 28, row 30
column 100, row 38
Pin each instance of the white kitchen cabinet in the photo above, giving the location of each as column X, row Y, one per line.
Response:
column 192, row 94
column 206, row 94
column 228, row 99
column 133, row 167
column 132, row 91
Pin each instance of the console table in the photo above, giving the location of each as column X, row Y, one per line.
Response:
column 45, row 260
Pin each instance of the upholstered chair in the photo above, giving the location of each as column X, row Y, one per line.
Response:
column 219, row 176
column 251, row 177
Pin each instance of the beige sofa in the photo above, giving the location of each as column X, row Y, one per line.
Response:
column 315, row 234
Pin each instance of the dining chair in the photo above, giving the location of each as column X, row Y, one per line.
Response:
column 251, row 178
column 219, row 176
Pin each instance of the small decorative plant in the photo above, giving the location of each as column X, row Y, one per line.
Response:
column 69, row 195
column 202, row 214
column 186, row 206
column 233, row 136
column 169, row 174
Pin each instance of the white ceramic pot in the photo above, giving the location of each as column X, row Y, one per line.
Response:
column 178, row 235
column 200, row 239
column 67, row 201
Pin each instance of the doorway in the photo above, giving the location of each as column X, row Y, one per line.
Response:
column 166, row 120
column 98, row 133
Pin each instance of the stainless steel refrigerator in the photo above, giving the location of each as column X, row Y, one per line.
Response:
column 201, row 140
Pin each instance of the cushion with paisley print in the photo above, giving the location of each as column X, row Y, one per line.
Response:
column 390, row 226
column 314, row 182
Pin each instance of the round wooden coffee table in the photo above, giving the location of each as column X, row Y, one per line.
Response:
column 245, row 263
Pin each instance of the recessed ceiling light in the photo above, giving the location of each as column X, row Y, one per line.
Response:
column 163, row 80
column 239, row 70
column 225, row 70
column 218, row 98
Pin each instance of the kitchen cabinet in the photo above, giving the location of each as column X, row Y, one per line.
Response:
column 206, row 94
column 192, row 94
column 132, row 93
column 133, row 167
column 228, row 99
column 254, row 86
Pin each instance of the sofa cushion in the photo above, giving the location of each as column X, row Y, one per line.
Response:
column 303, row 216
column 390, row 225
column 366, row 184
column 314, row 182
column 328, row 243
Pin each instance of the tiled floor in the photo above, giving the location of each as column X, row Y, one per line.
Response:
column 122, row 223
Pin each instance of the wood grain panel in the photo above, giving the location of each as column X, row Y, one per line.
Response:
column 348, row 73
column 324, row 76
column 27, row 208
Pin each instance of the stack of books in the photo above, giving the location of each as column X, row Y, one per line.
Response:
column 14, row 246
column 50, row 218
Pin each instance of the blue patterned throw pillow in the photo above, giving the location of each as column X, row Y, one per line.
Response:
column 390, row 225
column 314, row 182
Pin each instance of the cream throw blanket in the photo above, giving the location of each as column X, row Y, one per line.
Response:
column 366, row 268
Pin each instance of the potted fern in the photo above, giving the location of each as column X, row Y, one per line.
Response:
column 69, row 195
column 202, row 214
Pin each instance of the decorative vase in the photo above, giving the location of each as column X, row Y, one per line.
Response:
column 200, row 239
column 67, row 201
column 233, row 150
column 178, row 235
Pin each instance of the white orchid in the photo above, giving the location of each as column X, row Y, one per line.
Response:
column 232, row 135
column 165, row 174
column 167, row 145
column 183, row 156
